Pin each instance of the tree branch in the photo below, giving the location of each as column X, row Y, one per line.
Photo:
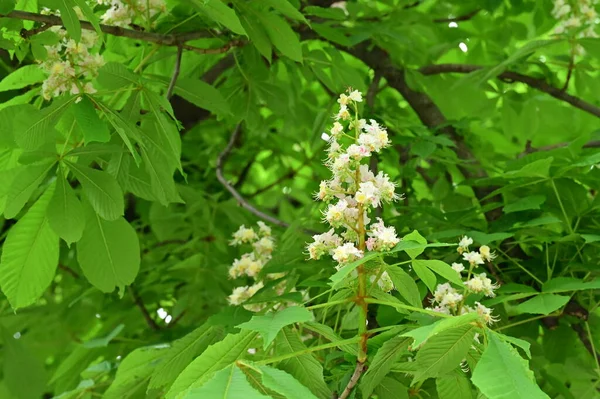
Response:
column 140, row 304
column 245, row 204
column 165, row 40
column 358, row 371
column 538, row 84
column 175, row 72
column 460, row 18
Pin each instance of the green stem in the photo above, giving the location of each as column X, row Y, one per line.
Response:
column 521, row 267
column 327, row 304
column 407, row 307
column 591, row 339
column 308, row 350
column 518, row 323
column 562, row 208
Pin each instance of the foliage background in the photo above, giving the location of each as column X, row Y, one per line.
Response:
column 498, row 142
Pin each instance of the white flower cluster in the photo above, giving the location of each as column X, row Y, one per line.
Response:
column 124, row 12
column 354, row 190
column 576, row 16
column 70, row 65
column 250, row 264
column 448, row 300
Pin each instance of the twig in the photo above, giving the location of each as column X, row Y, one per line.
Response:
column 220, row 163
column 529, row 149
column 538, row 84
column 460, row 18
column 358, row 371
column 175, row 72
column 571, row 66
column 140, row 304
column 177, row 40
column 244, row 174
column 26, row 34
column 70, row 271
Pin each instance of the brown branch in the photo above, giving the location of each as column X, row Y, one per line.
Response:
column 140, row 304
column 165, row 40
column 70, row 271
column 538, row 84
column 460, row 18
column 529, row 149
column 26, row 34
column 175, row 72
column 241, row 200
column 358, row 371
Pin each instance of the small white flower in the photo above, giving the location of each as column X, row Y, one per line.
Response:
column 486, row 254
column 463, row 244
column 355, row 96
column 243, row 235
column 458, row 267
column 347, row 253
column 474, row 258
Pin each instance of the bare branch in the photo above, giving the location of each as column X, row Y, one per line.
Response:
column 165, row 40
column 460, row 18
column 538, row 84
column 358, row 371
column 140, row 304
column 175, row 72
column 241, row 200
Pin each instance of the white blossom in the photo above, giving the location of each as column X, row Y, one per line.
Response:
column 347, row 253
column 481, row 284
column 486, row 254
column 458, row 267
column 474, row 258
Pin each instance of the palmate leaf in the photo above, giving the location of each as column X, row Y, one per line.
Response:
column 328, row 333
column 543, row 304
column 229, row 383
column 213, row 359
column 108, row 252
column 305, row 368
column 421, row 334
column 69, row 18
column 101, row 189
column 502, row 374
column 24, row 372
column 270, row 324
column 254, row 29
column 202, row 95
column 25, row 76
column 282, row 36
column 382, row 363
column 182, row 352
column 29, row 256
column 405, row 285
column 390, row 388
column 89, row 122
column 444, row 352
column 220, row 13
column 134, row 373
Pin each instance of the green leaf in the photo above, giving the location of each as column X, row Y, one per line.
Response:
column 517, row 342
column 22, row 77
column 101, row 189
column 88, row 121
column 167, row 137
column 220, row 13
column 34, row 128
column 89, row 15
column 589, row 238
column 7, row 6
column 405, row 285
column 341, row 274
column 414, row 236
column 390, row 388
column 26, row 181
column 270, row 324
column 441, row 268
column 24, row 371
column 421, row 334
column 103, row 342
column 305, row 368
column 501, row 373
column 543, row 304
column 229, row 383
column 567, row 284
column 526, row 203
column 328, row 13
column 29, row 256
column 134, row 373
column 255, row 30
column 283, row 383
column 115, row 76
column 282, row 36
column 454, row 385
column 69, row 18
column 108, row 252
column 287, row 9
column 425, row 275
column 444, row 352
column 202, row 95
column 213, row 359
column 538, row 168
column 181, row 353
column 389, row 353
column 328, row 333
column 160, row 173
column 65, row 212
column 125, row 129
